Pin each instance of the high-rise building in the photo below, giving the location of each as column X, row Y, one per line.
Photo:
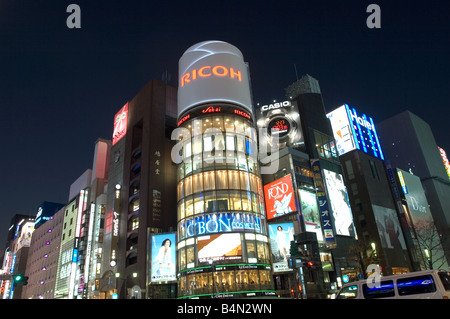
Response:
column 376, row 214
column 222, row 236
column 81, row 249
column 409, row 144
column 140, row 196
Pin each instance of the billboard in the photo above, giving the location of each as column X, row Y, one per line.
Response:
column 353, row 131
column 415, row 197
column 340, row 206
column 120, row 124
column 213, row 71
column 325, row 212
column 311, row 213
column 219, row 247
column 389, row 229
column 163, row 265
column 280, row 120
column 279, row 197
column 281, row 235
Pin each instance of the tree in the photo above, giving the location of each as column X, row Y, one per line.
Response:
column 429, row 240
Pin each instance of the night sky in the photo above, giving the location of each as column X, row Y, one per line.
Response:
column 61, row 87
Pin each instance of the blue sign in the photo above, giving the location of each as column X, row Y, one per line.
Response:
column 219, row 223
column 364, row 133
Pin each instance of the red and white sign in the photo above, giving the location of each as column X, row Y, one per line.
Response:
column 279, row 197
column 120, row 124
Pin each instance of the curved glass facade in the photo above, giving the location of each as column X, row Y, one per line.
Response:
column 223, row 245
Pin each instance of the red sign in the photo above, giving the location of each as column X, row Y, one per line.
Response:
column 279, row 197
column 120, row 124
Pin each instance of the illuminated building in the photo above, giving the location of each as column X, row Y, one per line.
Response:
column 381, row 228
column 222, row 238
column 16, row 254
column 409, row 144
column 308, row 161
column 42, row 263
column 140, row 195
column 80, row 258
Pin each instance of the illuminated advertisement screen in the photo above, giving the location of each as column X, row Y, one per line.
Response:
column 280, row 120
column 353, row 131
column 163, row 267
column 311, row 213
column 219, row 247
column 120, row 124
column 389, row 229
column 281, row 236
column 279, row 197
column 445, row 160
column 337, row 193
column 341, row 130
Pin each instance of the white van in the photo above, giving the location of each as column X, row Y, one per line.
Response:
column 427, row 284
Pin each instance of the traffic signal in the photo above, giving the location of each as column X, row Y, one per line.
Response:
column 20, row 280
column 308, row 264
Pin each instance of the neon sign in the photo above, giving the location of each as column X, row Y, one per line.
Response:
column 213, row 109
column 207, row 71
column 353, row 131
column 445, row 160
column 220, row 223
column 120, row 124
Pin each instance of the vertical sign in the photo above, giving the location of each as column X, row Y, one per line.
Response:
column 115, row 226
column 120, row 124
column 325, row 215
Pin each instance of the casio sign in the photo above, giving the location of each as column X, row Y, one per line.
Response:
column 273, row 106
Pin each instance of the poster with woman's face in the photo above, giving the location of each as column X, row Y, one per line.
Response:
column 281, row 235
column 163, row 267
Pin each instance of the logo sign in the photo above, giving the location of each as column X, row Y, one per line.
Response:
column 120, row 124
column 279, row 197
column 213, row 71
column 276, row 105
column 353, row 131
column 219, row 223
column 213, row 109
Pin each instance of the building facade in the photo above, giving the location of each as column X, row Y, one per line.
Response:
column 42, row 263
column 409, row 144
column 141, row 192
column 222, row 242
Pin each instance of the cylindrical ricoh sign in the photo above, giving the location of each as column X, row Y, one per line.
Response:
column 212, row 71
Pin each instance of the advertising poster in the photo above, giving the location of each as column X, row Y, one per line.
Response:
column 279, row 197
column 163, row 267
column 325, row 213
column 281, row 235
column 219, row 247
column 337, row 193
column 311, row 214
column 391, row 235
column 341, row 130
column 415, row 197
column 280, row 120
